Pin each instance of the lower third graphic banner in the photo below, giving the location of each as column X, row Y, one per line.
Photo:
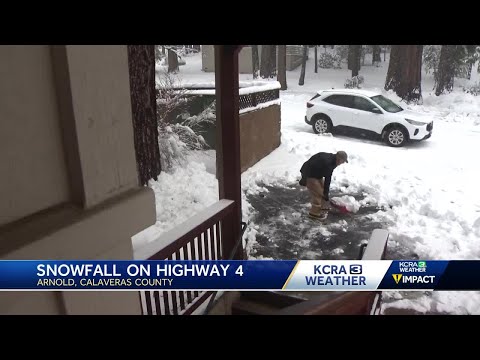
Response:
column 288, row 275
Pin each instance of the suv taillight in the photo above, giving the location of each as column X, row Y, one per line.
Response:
column 309, row 105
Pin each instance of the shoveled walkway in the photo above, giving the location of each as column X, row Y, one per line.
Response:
column 286, row 232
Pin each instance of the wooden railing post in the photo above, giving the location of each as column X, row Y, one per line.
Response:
column 228, row 143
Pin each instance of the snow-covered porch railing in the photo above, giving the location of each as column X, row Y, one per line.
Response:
column 252, row 94
column 198, row 238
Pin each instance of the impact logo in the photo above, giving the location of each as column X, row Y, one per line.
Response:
column 413, row 279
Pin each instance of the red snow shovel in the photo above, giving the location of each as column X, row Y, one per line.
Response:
column 339, row 208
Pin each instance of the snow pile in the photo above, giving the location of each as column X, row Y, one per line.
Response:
column 348, row 202
column 207, row 157
column 342, row 225
column 421, row 304
column 476, row 227
column 179, row 196
column 338, row 251
column 454, row 107
column 442, row 302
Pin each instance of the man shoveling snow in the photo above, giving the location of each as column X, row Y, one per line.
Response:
column 316, row 176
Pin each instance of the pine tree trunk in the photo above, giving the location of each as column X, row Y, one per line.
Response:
column 255, row 63
column 412, row 89
column 354, row 58
column 359, row 56
column 393, row 72
column 405, row 72
column 141, row 66
column 301, row 81
column 316, row 60
column 266, row 66
column 282, row 66
column 172, row 61
column 376, row 54
column 350, row 57
column 354, row 55
column 385, row 53
column 446, row 70
column 273, row 61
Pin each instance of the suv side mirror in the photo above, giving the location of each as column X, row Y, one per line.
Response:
column 376, row 110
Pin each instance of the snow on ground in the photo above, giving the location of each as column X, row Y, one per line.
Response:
column 181, row 194
column 430, row 189
column 178, row 196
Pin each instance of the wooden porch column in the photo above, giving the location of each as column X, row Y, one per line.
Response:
column 228, row 143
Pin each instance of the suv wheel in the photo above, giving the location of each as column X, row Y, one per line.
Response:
column 396, row 137
column 322, row 125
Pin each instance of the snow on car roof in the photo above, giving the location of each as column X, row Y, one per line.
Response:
column 350, row 92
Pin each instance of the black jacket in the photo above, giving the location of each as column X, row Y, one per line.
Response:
column 320, row 166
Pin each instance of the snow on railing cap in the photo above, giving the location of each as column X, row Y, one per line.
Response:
column 246, row 87
column 257, row 86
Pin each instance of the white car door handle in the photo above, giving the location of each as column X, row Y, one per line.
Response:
column 356, row 112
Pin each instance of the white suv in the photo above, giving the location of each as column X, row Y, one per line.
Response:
column 366, row 110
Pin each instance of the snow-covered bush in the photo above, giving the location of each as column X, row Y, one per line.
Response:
column 354, row 82
column 461, row 59
column 329, row 61
column 185, row 51
column 159, row 56
column 470, row 60
column 342, row 52
column 473, row 89
column 177, row 130
column 367, row 49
